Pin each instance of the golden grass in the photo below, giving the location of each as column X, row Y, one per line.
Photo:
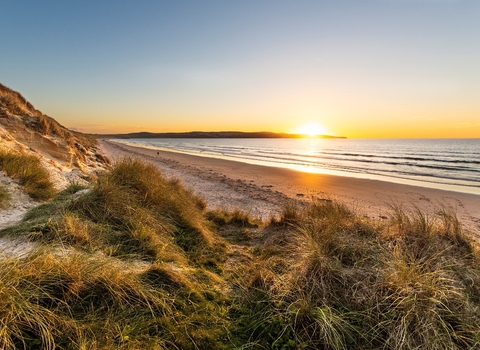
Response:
column 146, row 214
column 5, row 197
column 49, row 299
column 135, row 271
column 29, row 172
column 136, row 262
column 338, row 281
column 15, row 103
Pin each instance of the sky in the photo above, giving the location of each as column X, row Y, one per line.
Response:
column 370, row 68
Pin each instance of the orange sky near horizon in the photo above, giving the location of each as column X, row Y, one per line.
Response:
column 412, row 129
column 388, row 125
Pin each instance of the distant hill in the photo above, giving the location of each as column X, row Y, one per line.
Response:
column 212, row 135
column 64, row 152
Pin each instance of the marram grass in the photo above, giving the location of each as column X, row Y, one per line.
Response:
column 30, row 173
column 344, row 282
column 5, row 197
column 136, row 262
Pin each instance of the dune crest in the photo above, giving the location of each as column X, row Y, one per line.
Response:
column 67, row 155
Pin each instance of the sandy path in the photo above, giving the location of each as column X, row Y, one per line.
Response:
column 262, row 190
column 19, row 204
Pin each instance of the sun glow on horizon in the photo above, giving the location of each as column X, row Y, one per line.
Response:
column 311, row 129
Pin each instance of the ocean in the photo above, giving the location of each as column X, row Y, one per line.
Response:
column 450, row 164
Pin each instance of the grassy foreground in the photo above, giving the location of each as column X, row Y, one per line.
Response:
column 135, row 262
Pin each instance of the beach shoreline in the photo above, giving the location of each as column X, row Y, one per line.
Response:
column 263, row 191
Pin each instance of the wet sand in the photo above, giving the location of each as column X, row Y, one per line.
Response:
column 262, row 191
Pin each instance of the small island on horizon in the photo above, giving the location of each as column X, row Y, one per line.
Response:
column 213, row 135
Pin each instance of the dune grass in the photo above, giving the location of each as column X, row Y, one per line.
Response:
column 342, row 282
column 28, row 170
column 15, row 103
column 136, row 210
column 133, row 264
column 136, row 262
column 5, row 197
column 62, row 301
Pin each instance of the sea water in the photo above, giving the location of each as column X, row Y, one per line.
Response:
column 451, row 164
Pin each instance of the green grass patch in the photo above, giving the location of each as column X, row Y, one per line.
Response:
column 28, row 170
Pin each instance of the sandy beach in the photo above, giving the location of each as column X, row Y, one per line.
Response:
column 262, row 191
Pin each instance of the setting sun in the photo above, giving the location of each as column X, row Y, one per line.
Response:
column 311, row 129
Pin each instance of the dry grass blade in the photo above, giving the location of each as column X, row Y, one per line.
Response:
column 5, row 197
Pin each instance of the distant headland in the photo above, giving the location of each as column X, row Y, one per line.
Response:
column 213, row 135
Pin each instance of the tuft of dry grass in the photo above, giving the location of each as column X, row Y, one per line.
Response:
column 5, row 197
column 235, row 218
column 28, row 170
column 339, row 281
column 422, row 301
column 290, row 216
column 53, row 300
column 15, row 103
column 147, row 214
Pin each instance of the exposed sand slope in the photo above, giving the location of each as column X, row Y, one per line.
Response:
column 68, row 156
column 19, row 204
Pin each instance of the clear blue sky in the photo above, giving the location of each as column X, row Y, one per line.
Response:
column 373, row 68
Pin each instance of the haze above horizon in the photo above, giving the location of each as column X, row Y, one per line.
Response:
column 374, row 68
